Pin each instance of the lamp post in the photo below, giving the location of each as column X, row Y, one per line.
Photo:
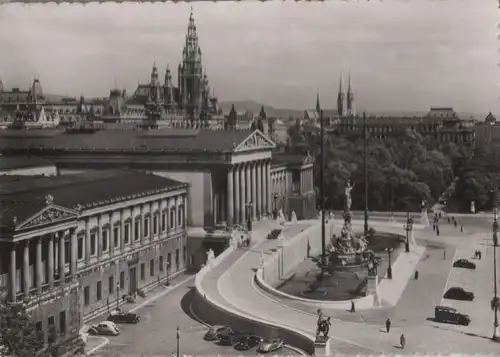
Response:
column 117, row 296
column 275, row 212
column 178, row 337
column 389, row 269
column 249, row 215
column 408, row 227
column 280, row 255
column 365, row 169
column 496, row 332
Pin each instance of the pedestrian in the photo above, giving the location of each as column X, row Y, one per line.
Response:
column 402, row 341
column 462, row 228
column 479, row 254
column 455, row 223
column 416, row 274
column 444, row 254
column 439, row 215
column 353, row 307
column 448, row 219
column 388, row 325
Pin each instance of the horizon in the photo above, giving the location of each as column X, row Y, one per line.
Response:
column 424, row 58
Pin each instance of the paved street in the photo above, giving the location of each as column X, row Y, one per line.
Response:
column 155, row 335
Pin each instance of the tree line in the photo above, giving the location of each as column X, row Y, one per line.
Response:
column 402, row 170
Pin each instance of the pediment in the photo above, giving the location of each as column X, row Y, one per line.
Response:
column 49, row 215
column 255, row 141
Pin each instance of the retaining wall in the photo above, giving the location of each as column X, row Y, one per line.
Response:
column 213, row 313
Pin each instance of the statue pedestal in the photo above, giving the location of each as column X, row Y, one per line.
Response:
column 424, row 219
column 372, row 289
column 322, row 346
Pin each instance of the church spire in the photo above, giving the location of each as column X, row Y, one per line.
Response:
column 318, row 106
column 340, row 99
column 350, row 110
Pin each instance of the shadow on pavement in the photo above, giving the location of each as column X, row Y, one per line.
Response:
column 186, row 301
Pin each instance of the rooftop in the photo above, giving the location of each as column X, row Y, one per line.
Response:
column 12, row 163
column 23, row 197
column 167, row 140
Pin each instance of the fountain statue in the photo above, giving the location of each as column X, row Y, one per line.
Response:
column 348, row 249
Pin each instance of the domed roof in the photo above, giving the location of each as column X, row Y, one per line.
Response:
column 490, row 118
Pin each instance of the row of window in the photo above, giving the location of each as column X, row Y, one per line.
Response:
column 165, row 226
column 152, row 273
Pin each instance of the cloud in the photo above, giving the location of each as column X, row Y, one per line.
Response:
column 404, row 55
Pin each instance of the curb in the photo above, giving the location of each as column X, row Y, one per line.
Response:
column 99, row 346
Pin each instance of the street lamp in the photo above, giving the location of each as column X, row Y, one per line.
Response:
column 249, row 215
column 389, row 269
column 275, row 211
column 117, row 296
column 178, row 337
column 495, row 302
column 280, row 255
column 408, row 227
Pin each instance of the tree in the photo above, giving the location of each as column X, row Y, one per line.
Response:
column 19, row 336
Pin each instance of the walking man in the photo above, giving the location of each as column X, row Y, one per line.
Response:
column 444, row 254
column 388, row 325
column 353, row 307
column 402, row 341
column 462, row 228
column 416, row 274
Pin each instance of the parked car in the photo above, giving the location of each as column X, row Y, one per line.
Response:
column 247, row 342
column 459, row 294
column 464, row 263
column 450, row 315
column 229, row 338
column 266, row 345
column 214, row 331
column 104, row 328
column 124, row 317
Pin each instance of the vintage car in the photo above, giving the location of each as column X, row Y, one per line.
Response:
column 121, row 317
column 464, row 263
column 214, row 331
column 230, row 337
column 266, row 345
column 459, row 294
column 450, row 315
column 247, row 342
column 104, row 328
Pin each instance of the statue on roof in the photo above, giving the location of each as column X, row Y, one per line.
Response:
column 49, row 199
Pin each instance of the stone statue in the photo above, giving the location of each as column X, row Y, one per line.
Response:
column 423, row 204
column 49, row 199
column 348, row 199
column 294, row 217
column 210, row 255
column 323, row 325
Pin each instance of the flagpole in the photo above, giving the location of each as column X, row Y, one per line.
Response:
column 322, row 189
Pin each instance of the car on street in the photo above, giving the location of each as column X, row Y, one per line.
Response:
column 247, row 342
column 124, row 317
column 450, row 315
column 266, row 345
column 229, row 338
column 104, row 328
column 459, row 294
column 214, row 331
column 464, row 263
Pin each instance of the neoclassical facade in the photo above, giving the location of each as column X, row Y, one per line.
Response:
column 72, row 246
column 232, row 174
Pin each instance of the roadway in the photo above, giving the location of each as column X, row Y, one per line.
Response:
column 155, row 334
column 231, row 284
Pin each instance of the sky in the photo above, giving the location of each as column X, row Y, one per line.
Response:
column 403, row 55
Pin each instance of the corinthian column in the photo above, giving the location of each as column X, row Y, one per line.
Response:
column 26, row 269
column 50, row 260
column 258, row 201
column 254, row 191
column 62, row 258
column 248, row 188
column 269, row 199
column 229, row 197
column 38, row 265
column 237, row 184
column 12, row 273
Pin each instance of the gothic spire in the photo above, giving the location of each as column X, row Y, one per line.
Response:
column 318, row 106
column 350, row 98
column 340, row 99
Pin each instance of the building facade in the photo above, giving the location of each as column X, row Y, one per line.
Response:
column 232, row 175
column 71, row 247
